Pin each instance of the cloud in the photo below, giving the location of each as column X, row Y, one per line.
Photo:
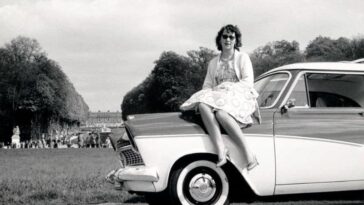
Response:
column 107, row 47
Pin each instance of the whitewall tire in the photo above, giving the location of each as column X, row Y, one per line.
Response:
column 199, row 182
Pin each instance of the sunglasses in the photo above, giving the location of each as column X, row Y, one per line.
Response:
column 228, row 36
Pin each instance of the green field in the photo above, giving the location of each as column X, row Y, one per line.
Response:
column 77, row 176
column 58, row 176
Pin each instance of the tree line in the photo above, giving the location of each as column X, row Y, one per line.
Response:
column 35, row 93
column 175, row 77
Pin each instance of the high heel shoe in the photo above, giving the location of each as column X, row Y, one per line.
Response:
column 252, row 164
column 223, row 160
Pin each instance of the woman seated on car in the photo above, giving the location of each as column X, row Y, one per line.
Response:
column 228, row 97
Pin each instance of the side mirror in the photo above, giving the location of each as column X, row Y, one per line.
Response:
column 289, row 104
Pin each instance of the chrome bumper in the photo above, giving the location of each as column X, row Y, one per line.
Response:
column 137, row 173
column 136, row 178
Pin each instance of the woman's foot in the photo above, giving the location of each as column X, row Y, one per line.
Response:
column 252, row 164
column 223, row 159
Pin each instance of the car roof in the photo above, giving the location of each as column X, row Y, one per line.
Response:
column 332, row 66
column 359, row 60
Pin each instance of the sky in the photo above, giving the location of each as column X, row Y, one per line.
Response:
column 107, row 47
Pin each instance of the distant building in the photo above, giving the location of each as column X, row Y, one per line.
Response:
column 104, row 119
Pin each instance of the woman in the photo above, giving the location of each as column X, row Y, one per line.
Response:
column 228, row 97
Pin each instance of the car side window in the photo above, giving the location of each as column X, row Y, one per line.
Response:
column 335, row 90
column 299, row 93
column 269, row 88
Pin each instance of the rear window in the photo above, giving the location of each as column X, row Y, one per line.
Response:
column 335, row 90
column 329, row 90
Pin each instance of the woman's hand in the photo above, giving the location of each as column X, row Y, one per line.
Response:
column 224, row 86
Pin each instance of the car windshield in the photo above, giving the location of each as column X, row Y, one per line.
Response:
column 269, row 88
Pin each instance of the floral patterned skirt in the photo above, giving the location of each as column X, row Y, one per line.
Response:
column 237, row 99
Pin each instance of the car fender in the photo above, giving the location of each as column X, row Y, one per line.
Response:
column 163, row 152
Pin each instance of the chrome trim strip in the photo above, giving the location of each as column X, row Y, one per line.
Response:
column 131, row 138
column 320, row 139
column 257, row 135
column 336, row 66
column 194, row 135
column 359, row 180
column 284, row 87
column 162, row 136
column 298, row 76
column 155, row 125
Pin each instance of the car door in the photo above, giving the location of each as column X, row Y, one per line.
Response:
column 319, row 134
column 260, row 135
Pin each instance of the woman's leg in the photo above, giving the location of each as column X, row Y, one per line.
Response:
column 234, row 131
column 212, row 126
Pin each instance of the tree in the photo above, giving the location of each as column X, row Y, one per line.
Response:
column 327, row 49
column 35, row 91
column 175, row 77
column 357, row 45
column 172, row 81
column 275, row 54
column 23, row 49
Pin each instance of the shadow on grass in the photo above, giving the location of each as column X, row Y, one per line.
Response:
column 136, row 199
column 348, row 197
column 333, row 198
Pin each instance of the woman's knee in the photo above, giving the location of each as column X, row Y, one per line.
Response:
column 222, row 116
column 202, row 107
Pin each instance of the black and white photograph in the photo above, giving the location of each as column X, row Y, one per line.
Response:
column 196, row 102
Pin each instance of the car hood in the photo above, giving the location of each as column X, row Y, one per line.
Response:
column 164, row 124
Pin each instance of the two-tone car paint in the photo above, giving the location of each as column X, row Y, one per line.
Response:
column 300, row 149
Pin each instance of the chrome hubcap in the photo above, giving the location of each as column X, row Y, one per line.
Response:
column 202, row 187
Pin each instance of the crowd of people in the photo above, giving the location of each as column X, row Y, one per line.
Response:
column 88, row 139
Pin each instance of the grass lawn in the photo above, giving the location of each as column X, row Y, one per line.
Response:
column 76, row 176
column 58, row 176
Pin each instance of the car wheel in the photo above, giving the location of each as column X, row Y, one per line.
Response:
column 199, row 182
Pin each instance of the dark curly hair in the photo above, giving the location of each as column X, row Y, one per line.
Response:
column 232, row 29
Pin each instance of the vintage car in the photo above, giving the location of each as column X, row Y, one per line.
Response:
column 311, row 139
